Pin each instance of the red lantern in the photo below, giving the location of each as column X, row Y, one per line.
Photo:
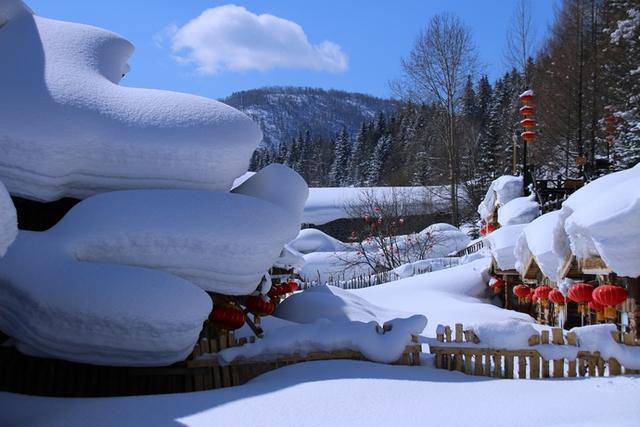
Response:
column 542, row 294
column 527, row 110
column 527, row 97
column 259, row 307
column 292, row 286
column 523, row 292
column 528, row 123
column 609, row 296
column 487, row 228
column 557, row 298
column 599, row 309
column 276, row 291
column 228, row 317
column 581, row 293
column 496, row 284
column 528, row 135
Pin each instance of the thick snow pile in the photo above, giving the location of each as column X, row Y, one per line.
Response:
column 500, row 192
column 502, row 244
column 334, row 266
column 330, row 303
column 312, row 240
column 521, row 210
column 8, row 220
column 327, row 204
column 598, row 338
column 425, row 265
column 445, row 239
column 603, row 219
column 369, row 338
column 97, row 313
column 505, row 334
column 537, row 240
column 74, row 131
column 85, row 298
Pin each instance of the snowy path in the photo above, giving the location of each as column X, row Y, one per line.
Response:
column 349, row 393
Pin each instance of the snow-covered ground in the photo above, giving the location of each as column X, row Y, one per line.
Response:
column 354, row 393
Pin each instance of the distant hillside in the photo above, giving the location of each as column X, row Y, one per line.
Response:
column 284, row 112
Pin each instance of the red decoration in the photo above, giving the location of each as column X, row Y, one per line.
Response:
column 276, row 291
column 496, row 282
column 528, row 135
column 599, row 309
column 557, row 298
column 609, row 296
column 523, row 292
column 292, row 286
column 527, row 110
column 581, row 293
column 227, row 316
column 527, row 97
column 542, row 293
column 528, row 123
column 259, row 307
column 487, row 228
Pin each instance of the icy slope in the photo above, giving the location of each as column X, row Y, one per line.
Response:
column 8, row 220
column 75, row 131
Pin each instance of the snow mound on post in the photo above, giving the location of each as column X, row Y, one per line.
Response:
column 501, row 191
column 369, row 339
column 62, row 100
column 537, row 240
column 502, row 243
column 521, row 210
column 8, row 220
column 505, row 334
column 97, row 313
column 604, row 221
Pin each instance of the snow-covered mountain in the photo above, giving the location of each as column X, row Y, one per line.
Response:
column 284, row 112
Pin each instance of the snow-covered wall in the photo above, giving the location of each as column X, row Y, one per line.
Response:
column 70, row 129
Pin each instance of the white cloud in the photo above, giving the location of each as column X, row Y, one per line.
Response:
column 232, row 38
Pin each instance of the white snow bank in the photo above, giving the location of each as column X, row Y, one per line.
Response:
column 521, row 210
column 289, row 258
column 502, row 243
column 367, row 338
column 222, row 242
column 446, row 239
column 598, row 338
column 8, row 220
column 603, row 219
column 537, row 240
column 501, row 191
column 69, row 129
column 334, row 266
column 425, row 265
column 331, row 303
column 326, row 204
column 312, row 240
column 97, row 313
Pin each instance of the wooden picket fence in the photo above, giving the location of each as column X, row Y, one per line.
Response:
column 464, row 352
column 212, row 374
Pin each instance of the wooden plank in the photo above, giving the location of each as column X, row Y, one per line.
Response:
column 628, row 339
column 558, row 338
column 508, row 365
column 497, row 357
column 534, row 371
column 226, row 375
column 534, row 340
column 438, row 359
column 558, row 368
column 477, row 358
column 599, row 364
column 594, row 265
column 458, row 361
column 487, row 363
column 571, row 370
column 544, row 339
column 572, row 339
column 614, row 367
column 522, row 367
column 458, row 337
column 467, row 362
column 447, row 333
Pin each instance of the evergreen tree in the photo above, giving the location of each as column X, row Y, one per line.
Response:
column 377, row 163
column 340, row 168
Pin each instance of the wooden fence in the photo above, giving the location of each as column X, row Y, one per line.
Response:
column 464, row 352
column 20, row 373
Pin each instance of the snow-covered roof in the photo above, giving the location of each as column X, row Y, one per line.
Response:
column 501, row 191
column 603, row 219
column 8, row 220
column 537, row 240
column 521, row 210
column 312, row 240
column 61, row 99
column 502, row 243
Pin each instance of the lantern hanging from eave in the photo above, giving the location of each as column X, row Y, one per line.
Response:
column 292, row 286
column 228, row 316
column 529, row 136
column 528, row 123
column 258, row 306
column 496, row 284
column 527, row 110
column 556, row 297
column 523, row 292
column 609, row 296
column 599, row 309
column 581, row 293
column 541, row 294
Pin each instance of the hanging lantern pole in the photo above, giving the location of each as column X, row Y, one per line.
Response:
column 610, row 121
column 529, row 134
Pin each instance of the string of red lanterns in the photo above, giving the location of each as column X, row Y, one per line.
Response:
column 528, row 123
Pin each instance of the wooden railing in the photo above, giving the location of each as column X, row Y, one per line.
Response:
column 464, row 352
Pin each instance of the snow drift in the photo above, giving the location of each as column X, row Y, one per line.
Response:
column 501, row 191
column 69, row 129
column 8, row 220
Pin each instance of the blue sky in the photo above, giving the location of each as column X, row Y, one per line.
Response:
column 366, row 39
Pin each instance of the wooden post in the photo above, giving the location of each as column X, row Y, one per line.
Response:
column 497, row 357
column 508, row 365
column 447, row 333
column 534, row 372
column 477, row 358
column 522, row 367
column 458, row 358
column 558, row 365
column 458, row 332
column 544, row 339
column 487, row 363
column 614, row 367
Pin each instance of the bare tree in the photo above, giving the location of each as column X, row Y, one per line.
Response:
column 436, row 71
column 382, row 241
column 520, row 38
